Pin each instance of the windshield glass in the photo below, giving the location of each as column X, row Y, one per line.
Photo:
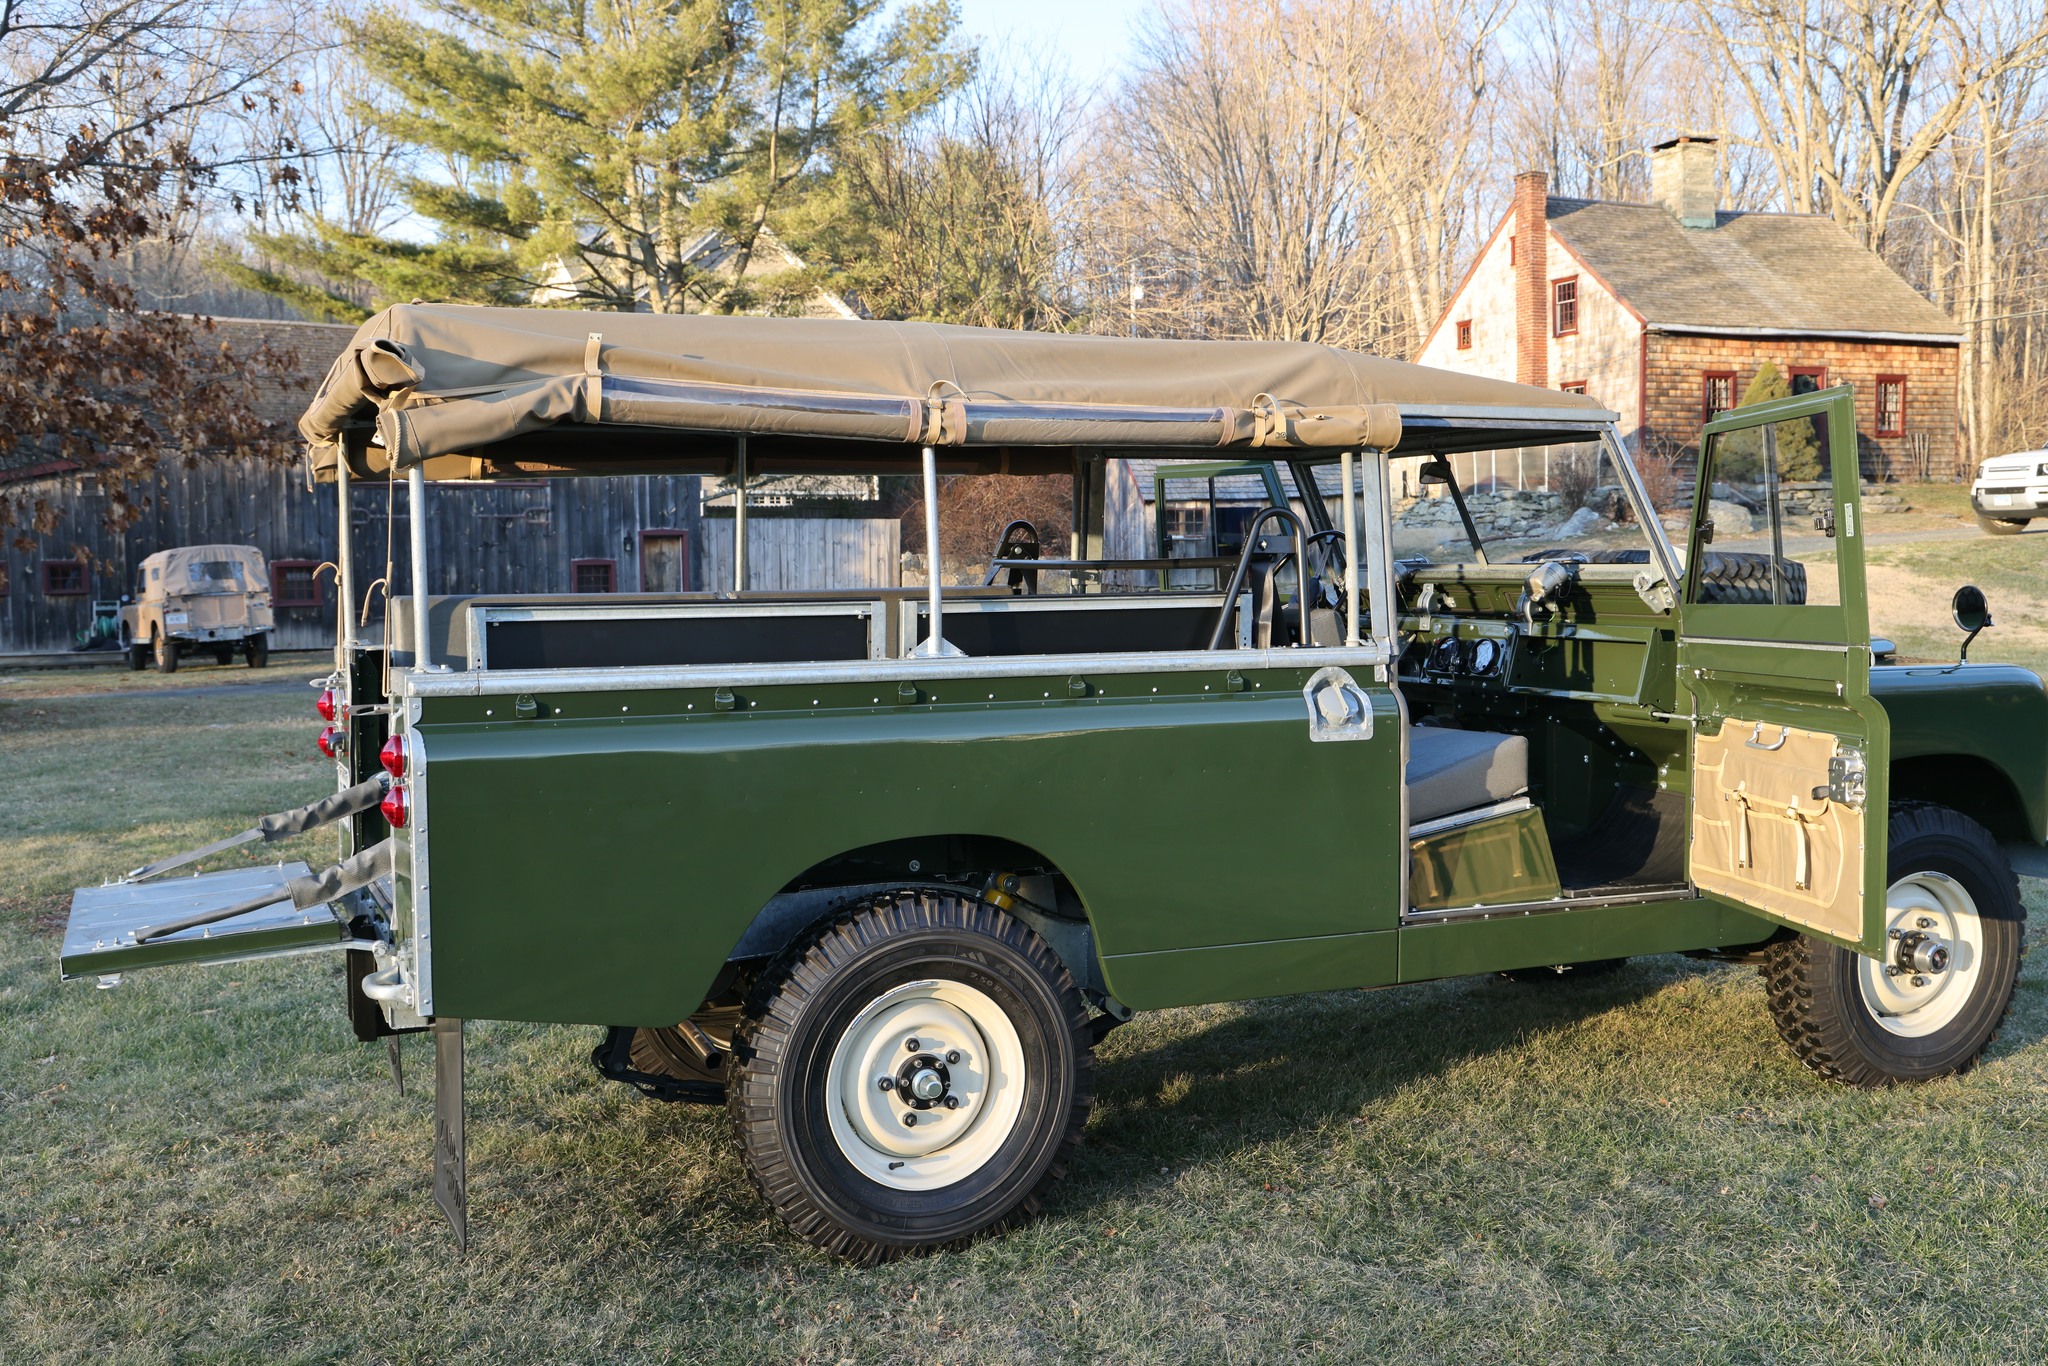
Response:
column 215, row 576
column 1534, row 502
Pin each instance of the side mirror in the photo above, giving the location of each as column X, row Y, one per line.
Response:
column 1433, row 472
column 1972, row 614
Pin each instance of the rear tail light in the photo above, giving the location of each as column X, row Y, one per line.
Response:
column 325, row 704
column 331, row 742
column 392, row 756
column 396, row 807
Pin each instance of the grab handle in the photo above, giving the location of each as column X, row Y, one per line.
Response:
column 1756, row 734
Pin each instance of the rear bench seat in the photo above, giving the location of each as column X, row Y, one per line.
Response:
column 1456, row 770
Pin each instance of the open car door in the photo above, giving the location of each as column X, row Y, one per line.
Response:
column 1789, row 751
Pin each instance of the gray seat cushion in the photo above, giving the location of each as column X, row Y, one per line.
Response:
column 1456, row 770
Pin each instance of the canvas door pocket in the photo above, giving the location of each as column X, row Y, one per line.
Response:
column 1768, row 833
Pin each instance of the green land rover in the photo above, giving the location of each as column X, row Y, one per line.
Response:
column 876, row 868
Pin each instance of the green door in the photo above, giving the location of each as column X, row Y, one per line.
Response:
column 1789, row 751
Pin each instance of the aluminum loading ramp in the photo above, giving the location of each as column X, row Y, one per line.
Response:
column 100, row 938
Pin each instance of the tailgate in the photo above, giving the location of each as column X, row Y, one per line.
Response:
column 100, row 938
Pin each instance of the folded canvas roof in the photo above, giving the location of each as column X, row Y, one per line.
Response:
column 483, row 392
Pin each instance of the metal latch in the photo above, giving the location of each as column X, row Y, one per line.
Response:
column 1846, row 778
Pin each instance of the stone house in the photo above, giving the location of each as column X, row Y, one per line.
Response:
column 1665, row 311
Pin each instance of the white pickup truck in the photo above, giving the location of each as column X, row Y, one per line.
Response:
column 2010, row 491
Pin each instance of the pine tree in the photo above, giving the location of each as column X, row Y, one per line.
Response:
column 590, row 149
column 1799, row 454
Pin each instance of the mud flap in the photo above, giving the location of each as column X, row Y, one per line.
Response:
column 451, row 1159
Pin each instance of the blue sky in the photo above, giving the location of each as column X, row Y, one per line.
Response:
column 1093, row 36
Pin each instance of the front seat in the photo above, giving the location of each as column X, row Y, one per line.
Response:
column 1455, row 770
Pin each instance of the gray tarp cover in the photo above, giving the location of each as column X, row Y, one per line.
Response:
column 450, row 380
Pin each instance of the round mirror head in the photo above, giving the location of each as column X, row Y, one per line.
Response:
column 1973, row 613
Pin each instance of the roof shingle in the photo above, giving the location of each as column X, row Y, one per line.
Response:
column 1777, row 271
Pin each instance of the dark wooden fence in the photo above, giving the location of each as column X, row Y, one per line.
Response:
column 541, row 537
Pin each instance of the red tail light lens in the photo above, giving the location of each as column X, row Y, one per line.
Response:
column 392, row 756
column 330, row 741
column 326, row 704
column 396, row 807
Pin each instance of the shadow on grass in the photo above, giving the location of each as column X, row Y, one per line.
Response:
column 1273, row 1071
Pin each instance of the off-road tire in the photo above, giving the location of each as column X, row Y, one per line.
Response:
column 258, row 650
column 806, row 1003
column 138, row 655
column 1736, row 576
column 2003, row 526
column 1813, row 986
column 224, row 655
column 165, row 651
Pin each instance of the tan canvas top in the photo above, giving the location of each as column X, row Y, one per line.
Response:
column 179, row 575
column 481, row 391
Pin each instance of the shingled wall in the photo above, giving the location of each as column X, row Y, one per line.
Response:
column 1677, row 365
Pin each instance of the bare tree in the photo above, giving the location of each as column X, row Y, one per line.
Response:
column 1851, row 97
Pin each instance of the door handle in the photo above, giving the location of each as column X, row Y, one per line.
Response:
column 1756, row 737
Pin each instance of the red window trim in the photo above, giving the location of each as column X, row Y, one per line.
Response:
column 1462, row 330
column 277, row 597
column 611, row 569
column 1708, row 412
column 1557, row 327
column 1511, row 248
column 1572, row 386
column 1818, row 373
column 1882, row 381
column 84, row 580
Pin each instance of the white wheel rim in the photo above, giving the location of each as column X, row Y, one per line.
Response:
column 979, row 1057
column 1914, row 1005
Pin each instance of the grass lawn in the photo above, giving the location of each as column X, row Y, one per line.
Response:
column 202, row 1165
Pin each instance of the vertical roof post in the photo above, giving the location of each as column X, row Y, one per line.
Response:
column 935, row 645
column 739, row 518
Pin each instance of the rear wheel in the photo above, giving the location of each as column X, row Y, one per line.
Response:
column 910, row 1075
column 1934, row 1004
column 166, row 652
column 258, row 647
column 2003, row 526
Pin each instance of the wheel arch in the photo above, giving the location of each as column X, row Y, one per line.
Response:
column 1967, row 783
column 955, row 862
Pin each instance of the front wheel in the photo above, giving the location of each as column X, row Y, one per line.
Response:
column 910, row 1075
column 166, row 651
column 258, row 647
column 1934, row 1003
column 2002, row 526
column 138, row 655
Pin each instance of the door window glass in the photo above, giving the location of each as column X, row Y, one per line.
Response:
column 1770, row 507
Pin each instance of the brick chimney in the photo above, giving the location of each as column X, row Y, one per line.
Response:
column 1682, row 180
column 1532, row 278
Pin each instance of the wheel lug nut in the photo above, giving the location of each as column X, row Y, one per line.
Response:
column 952, row 1055
column 952, row 1102
column 910, row 1045
column 910, row 1118
column 886, row 1083
column 1919, row 981
column 1925, row 923
column 1894, row 934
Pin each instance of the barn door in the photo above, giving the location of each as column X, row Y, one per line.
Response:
column 664, row 561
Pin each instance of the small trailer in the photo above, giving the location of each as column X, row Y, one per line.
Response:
column 876, row 869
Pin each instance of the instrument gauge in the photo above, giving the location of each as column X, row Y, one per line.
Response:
column 1486, row 656
column 1445, row 656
